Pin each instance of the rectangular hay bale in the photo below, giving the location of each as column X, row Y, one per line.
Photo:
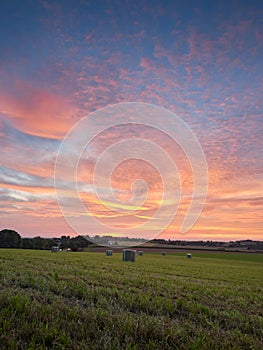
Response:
column 129, row 255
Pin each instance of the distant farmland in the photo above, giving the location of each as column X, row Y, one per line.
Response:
column 89, row 300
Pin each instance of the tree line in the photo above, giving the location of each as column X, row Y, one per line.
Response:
column 12, row 239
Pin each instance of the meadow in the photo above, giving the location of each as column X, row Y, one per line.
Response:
column 88, row 300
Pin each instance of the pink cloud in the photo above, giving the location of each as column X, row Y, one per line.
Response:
column 38, row 111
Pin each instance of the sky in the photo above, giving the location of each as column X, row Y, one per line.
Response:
column 62, row 61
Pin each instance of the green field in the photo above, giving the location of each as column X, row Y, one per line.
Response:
column 92, row 301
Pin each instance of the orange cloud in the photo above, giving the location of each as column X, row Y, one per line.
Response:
column 38, row 111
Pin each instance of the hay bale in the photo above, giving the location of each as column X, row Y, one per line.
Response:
column 129, row 255
column 54, row 249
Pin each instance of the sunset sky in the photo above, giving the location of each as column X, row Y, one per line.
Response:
column 201, row 60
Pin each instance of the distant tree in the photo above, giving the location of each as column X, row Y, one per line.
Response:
column 78, row 242
column 40, row 243
column 27, row 243
column 10, row 239
column 64, row 242
column 50, row 242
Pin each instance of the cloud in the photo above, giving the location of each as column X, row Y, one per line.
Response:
column 25, row 152
column 206, row 69
column 18, row 178
column 37, row 111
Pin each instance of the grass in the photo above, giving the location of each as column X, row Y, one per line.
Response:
column 92, row 301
